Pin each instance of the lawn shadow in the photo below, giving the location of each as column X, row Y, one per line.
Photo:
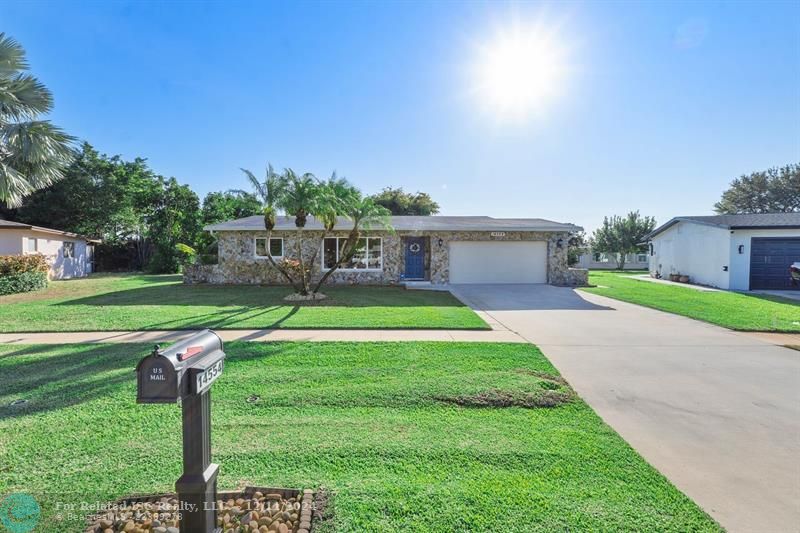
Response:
column 58, row 381
column 259, row 296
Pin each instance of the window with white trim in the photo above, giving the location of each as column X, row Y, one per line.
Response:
column 368, row 254
column 275, row 247
column 642, row 258
column 69, row 249
column 32, row 245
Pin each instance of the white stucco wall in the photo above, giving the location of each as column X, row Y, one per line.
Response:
column 696, row 250
column 52, row 247
column 740, row 263
column 11, row 241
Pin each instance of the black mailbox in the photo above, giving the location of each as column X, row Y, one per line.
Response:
column 188, row 367
column 185, row 372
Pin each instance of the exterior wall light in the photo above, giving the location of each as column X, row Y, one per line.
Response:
column 560, row 243
column 440, row 242
column 741, row 248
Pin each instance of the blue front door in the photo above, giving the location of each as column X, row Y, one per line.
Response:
column 415, row 258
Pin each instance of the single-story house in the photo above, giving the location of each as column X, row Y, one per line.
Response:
column 436, row 249
column 736, row 252
column 68, row 254
column 602, row 261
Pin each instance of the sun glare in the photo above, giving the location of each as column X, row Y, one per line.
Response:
column 520, row 72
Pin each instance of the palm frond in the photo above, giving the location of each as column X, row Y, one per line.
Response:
column 24, row 97
column 12, row 57
column 35, row 153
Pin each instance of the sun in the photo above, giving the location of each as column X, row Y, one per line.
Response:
column 520, row 72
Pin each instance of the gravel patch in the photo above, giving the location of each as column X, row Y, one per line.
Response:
column 255, row 509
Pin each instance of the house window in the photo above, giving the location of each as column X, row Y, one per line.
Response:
column 368, row 254
column 32, row 245
column 275, row 247
column 600, row 257
column 69, row 249
column 641, row 258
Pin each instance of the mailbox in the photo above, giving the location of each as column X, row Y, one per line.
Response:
column 185, row 372
column 188, row 367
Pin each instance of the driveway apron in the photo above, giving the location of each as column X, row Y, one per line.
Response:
column 718, row 413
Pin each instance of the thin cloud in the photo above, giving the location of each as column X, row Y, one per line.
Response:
column 690, row 34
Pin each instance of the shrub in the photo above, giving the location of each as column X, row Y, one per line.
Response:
column 23, row 282
column 186, row 254
column 20, row 264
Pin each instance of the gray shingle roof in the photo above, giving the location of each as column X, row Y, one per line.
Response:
column 408, row 223
column 4, row 224
column 7, row 224
column 746, row 221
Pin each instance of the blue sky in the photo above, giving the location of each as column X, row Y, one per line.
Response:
column 659, row 106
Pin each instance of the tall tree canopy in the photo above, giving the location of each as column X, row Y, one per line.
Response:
column 33, row 152
column 620, row 236
column 774, row 190
column 229, row 205
column 137, row 213
column 399, row 202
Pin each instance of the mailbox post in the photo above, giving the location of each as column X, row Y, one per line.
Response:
column 184, row 372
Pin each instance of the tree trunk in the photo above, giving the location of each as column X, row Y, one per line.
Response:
column 276, row 265
column 621, row 261
column 349, row 251
column 303, row 276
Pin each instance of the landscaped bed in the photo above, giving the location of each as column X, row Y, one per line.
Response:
column 254, row 509
column 404, row 436
column 140, row 302
column 745, row 312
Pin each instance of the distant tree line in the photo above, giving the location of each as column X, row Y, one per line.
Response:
column 141, row 216
column 775, row 190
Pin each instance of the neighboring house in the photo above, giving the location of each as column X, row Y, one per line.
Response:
column 601, row 261
column 69, row 255
column 736, row 252
column 438, row 249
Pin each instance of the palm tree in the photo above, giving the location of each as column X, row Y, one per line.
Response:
column 268, row 192
column 300, row 196
column 336, row 198
column 364, row 213
column 33, row 153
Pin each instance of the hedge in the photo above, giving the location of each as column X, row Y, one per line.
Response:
column 22, row 273
column 19, row 264
column 24, row 282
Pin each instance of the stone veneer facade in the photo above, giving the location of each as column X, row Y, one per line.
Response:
column 239, row 265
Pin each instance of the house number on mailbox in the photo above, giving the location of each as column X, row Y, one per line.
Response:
column 209, row 376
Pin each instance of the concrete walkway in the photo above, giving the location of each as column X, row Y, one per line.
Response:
column 359, row 335
column 715, row 411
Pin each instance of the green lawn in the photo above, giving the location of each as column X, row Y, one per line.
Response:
column 745, row 312
column 375, row 423
column 138, row 302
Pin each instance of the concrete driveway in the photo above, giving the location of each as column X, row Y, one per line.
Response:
column 716, row 412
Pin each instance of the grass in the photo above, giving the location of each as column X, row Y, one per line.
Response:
column 375, row 423
column 129, row 302
column 738, row 311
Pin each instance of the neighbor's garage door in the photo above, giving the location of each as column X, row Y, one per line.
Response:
column 498, row 262
column 770, row 258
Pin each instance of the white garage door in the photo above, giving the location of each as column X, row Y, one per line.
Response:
column 498, row 262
